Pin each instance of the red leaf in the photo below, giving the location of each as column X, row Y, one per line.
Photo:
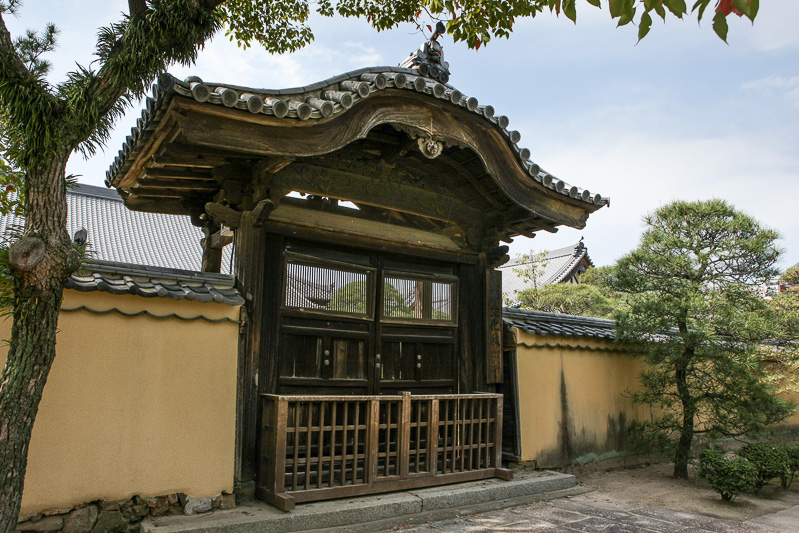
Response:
column 429, row 28
column 9, row 188
column 418, row 13
column 477, row 44
column 454, row 16
column 728, row 6
column 369, row 18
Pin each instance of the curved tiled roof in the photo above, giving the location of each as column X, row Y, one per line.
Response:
column 153, row 282
column 557, row 266
column 558, row 325
column 322, row 100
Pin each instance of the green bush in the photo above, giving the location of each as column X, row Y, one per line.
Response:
column 792, row 451
column 728, row 476
column 770, row 459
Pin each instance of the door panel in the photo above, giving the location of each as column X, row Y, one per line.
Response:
column 358, row 328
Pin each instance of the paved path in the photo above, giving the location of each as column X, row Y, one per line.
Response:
column 591, row 512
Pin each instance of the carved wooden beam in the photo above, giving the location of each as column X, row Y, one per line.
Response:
column 373, row 191
column 261, row 212
column 224, row 214
column 221, row 238
column 189, row 184
column 176, row 174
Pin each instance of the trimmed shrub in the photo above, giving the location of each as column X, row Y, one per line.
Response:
column 792, row 451
column 729, row 476
column 770, row 459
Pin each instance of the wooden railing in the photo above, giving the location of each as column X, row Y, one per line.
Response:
column 324, row 447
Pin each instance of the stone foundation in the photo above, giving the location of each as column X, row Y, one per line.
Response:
column 123, row 516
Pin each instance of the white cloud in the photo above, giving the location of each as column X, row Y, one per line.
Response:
column 786, row 87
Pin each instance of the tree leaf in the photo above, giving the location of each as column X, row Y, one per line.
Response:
column 742, row 6
column 569, row 10
column 677, row 7
column 720, row 26
column 616, row 8
column 702, row 5
column 595, row 3
column 754, row 7
column 644, row 26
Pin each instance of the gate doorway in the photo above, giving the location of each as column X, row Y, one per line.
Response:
column 366, row 323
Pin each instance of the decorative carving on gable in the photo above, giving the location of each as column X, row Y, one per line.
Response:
column 430, row 148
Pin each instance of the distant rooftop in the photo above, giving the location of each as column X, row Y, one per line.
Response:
column 119, row 235
column 563, row 265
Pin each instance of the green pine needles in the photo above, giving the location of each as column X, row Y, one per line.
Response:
column 694, row 291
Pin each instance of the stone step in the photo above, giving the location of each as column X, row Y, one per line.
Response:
column 255, row 517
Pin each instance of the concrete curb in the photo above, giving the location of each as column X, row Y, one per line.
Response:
column 258, row 517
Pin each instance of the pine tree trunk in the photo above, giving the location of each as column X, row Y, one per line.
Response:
column 682, row 452
column 41, row 261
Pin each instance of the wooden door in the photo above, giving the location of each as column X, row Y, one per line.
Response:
column 353, row 323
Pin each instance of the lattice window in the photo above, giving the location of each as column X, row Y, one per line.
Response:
column 411, row 298
column 318, row 285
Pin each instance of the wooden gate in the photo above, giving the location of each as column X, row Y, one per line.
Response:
column 324, row 447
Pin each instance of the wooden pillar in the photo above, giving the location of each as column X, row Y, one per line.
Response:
column 493, row 331
column 212, row 255
column 259, row 271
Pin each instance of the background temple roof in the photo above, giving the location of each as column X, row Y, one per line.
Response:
column 557, row 266
column 117, row 234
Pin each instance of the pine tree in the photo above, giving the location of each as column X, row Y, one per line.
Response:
column 696, row 309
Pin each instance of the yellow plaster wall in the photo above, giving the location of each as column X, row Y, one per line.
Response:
column 134, row 405
column 571, row 401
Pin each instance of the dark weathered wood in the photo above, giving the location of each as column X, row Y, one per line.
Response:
column 373, row 191
column 224, row 214
column 261, row 212
column 177, row 175
column 212, row 255
column 493, row 321
column 301, row 222
column 470, row 326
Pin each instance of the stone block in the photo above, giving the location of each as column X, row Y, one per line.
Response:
column 81, row 520
column 225, row 501
column 197, row 505
column 158, row 506
column 48, row 523
column 172, row 498
column 109, row 505
column 110, row 522
column 54, row 512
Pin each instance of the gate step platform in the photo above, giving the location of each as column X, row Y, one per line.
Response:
column 401, row 507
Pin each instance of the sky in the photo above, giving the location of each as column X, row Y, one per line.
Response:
column 678, row 116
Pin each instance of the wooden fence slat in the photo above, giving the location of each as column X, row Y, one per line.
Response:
column 279, row 445
column 418, row 427
column 403, row 441
column 307, row 429
column 345, row 413
column 432, row 437
column 373, row 425
column 332, row 472
column 320, row 452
